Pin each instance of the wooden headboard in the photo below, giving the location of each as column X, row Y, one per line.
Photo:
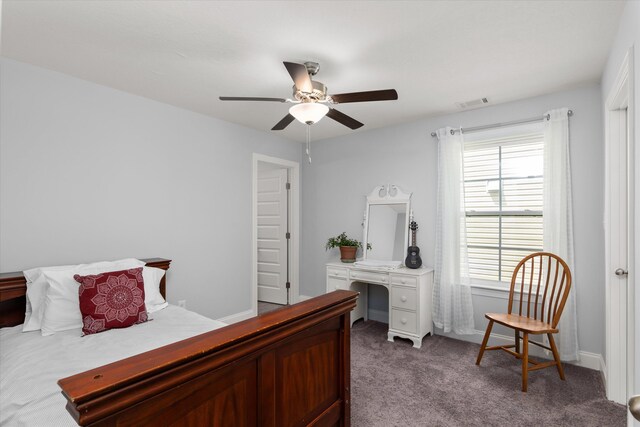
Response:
column 13, row 288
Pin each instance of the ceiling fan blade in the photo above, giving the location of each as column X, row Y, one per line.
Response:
column 342, row 118
column 300, row 76
column 372, row 95
column 284, row 122
column 250, row 98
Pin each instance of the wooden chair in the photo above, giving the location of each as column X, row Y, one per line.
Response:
column 544, row 282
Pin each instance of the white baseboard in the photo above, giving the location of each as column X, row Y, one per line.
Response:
column 603, row 371
column 243, row 315
column 590, row 360
column 587, row 359
column 234, row 318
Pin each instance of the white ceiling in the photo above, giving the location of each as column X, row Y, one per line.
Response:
column 434, row 53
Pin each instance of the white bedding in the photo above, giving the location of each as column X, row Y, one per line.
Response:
column 31, row 365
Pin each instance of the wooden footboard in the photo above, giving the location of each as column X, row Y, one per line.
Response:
column 289, row 367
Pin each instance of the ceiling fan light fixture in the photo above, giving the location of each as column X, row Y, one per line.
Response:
column 309, row 112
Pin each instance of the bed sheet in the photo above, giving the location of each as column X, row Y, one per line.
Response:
column 31, row 365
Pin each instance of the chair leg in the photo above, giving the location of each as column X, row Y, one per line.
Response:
column 556, row 356
column 517, row 341
column 484, row 342
column 525, row 360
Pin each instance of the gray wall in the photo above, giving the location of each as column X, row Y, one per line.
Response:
column 345, row 169
column 90, row 173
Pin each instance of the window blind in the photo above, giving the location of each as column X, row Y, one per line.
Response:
column 503, row 184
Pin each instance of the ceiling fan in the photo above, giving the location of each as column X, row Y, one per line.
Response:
column 311, row 98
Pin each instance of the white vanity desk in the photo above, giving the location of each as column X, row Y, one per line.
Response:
column 409, row 296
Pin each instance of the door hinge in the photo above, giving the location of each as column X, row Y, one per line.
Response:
column 288, row 186
column 288, row 235
column 288, row 284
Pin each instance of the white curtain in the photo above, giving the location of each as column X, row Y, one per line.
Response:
column 558, row 219
column 452, row 307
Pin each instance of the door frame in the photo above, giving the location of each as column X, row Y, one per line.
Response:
column 294, row 217
column 620, row 330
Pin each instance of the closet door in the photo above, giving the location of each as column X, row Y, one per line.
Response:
column 272, row 236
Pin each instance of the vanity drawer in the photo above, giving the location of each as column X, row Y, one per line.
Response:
column 405, row 321
column 404, row 280
column 369, row 277
column 334, row 283
column 337, row 272
column 403, row 297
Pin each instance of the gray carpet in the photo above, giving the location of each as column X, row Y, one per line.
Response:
column 393, row 384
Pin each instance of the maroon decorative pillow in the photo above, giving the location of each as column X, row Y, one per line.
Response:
column 111, row 300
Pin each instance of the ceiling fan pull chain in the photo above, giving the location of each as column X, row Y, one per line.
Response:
column 309, row 143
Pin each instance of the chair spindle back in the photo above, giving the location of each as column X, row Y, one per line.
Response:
column 543, row 280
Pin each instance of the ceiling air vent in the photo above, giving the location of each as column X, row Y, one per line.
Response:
column 472, row 104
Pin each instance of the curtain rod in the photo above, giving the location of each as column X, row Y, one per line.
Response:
column 499, row 125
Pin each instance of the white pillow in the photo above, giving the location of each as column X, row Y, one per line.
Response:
column 36, row 290
column 61, row 303
column 153, row 299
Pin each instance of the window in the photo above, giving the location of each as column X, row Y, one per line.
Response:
column 503, row 179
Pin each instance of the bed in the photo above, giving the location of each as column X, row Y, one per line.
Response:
column 289, row 367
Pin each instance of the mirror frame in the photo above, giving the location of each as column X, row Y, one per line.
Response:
column 387, row 195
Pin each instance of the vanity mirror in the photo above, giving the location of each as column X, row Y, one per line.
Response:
column 386, row 224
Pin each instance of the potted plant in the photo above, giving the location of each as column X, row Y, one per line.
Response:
column 348, row 247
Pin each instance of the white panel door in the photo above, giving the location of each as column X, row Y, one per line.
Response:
column 617, row 245
column 272, row 242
